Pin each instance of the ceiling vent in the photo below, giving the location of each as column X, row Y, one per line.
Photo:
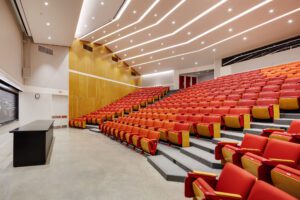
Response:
column 114, row 58
column 87, row 47
column 45, row 50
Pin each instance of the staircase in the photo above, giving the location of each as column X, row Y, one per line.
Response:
column 174, row 163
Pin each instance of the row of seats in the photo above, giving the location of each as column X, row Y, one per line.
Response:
column 131, row 102
column 234, row 183
column 261, row 155
column 139, row 137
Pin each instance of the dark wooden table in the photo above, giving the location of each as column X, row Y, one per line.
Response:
column 32, row 143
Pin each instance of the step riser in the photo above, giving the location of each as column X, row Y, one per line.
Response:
column 290, row 115
column 202, row 148
column 187, row 169
column 263, row 126
column 251, row 131
column 284, row 122
column 231, row 136
column 203, row 161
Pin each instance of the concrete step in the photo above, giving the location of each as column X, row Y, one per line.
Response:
column 255, row 131
column 203, row 144
column 185, row 162
column 290, row 115
column 236, row 135
column 202, row 156
column 169, row 170
column 96, row 130
column 284, row 121
column 261, row 125
column 222, row 139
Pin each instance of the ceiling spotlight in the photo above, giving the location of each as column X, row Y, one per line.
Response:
column 244, row 38
column 155, row 15
column 102, row 3
column 131, row 41
column 189, row 33
column 151, row 57
column 230, row 30
column 158, row 63
column 173, row 22
column 46, row 3
column 92, row 37
column 196, row 63
column 140, row 67
column 116, row 46
column 202, row 42
column 162, row 44
column 48, row 24
column 290, row 21
column 134, row 12
column 229, row 9
column 105, row 40
column 118, row 25
column 155, row 70
column 125, row 54
column 182, row 58
column 142, row 50
column 271, row 10
column 132, row 62
column 49, row 37
column 149, row 34
column 173, row 52
column 93, row 18
column 214, row 50
column 104, row 31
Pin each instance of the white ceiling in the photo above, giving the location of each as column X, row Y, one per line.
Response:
column 162, row 35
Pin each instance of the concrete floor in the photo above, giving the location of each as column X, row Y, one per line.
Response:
column 83, row 165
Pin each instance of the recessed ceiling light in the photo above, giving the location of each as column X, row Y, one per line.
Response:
column 116, row 46
column 46, row 3
column 182, row 58
column 162, row 44
column 132, row 62
column 118, row 25
column 49, row 37
column 244, row 38
column 158, row 63
column 140, row 67
column 214, row 50
column 230, row 30
column 229, row 9
column 102, row 3
column 125, row 54
column 173, row 52
column 131, row 41
column 271, row 10
column 189, row 33
column 151, row 57
column 173, row 22
column 104, row 31
column 149, row 34
column 92, row 37
column 48, row 24
column 290, row 21
column 155, row 70
column 119, row 34
column 134, row 28
column 142, row 50
column 93, row 18
column 202, row 42
column 196, row 63
column 155, row 15
column 105, row 40
column 134, row 12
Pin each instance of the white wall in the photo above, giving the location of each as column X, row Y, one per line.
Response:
column 158, row 79
column 11, row 45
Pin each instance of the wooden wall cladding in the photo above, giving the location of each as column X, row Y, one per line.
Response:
column 87, row 94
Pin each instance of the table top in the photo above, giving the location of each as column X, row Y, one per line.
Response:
column 35, row 126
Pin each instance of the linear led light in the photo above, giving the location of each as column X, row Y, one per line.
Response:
column 152, row 25
column 132, row 24
column 206, row 32
column 118, row 16
column 224, row 40
column 157, row 73
column 179, row 29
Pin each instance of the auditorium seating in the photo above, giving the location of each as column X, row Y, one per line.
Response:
column 233, row 183
column 131, row 102
column 292, row 134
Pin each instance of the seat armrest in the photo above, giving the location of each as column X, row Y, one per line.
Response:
column 204, row 175
column 268, row 131
column 220, row 145
column 250, row 150
column 275, row 161
column 256, row 157
column 228, row 196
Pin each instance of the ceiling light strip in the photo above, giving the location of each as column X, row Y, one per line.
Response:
column 152, row 25
column 178, row 30
column 118, row 16
column 224, row 40
column 132, row 24
column 158, row 73
column 206, row 32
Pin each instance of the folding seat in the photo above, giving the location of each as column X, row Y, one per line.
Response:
column 164, row 130
column 220, row 98
column 238, row 117
column 234, row 97
column 220, row 111
column 182, row 111
column 209, row 126
column 258, row 84
column 232, row 152
column 149, row 116
column 286, row 179
column 123, row 130
column 162, row 117
column 290, row 86
column 263, row 191
column 246, row 102
column 215, row 103
column 205, row 110
column 269, row 95
column 173, row 110
column 155, row 116
column 192, row 111
column 180, row 134
column 275, row 82
column 234, row 183
column 289, row 99
column 128, row 135
column 142, row 123
column 250, row 96
column 291, row 135
column 292, row 80
column 156, row 125
column 143, row 115
column 115, row 129
column 230, row 103
column 203, row 104
column 193, row 120
column 239, row 91
column 136, row 138
column 181, row 118
column 253, row 90
column 273, row 88
column 276, row 152
column 266, row 109
column 136, row 122
column 149, row 143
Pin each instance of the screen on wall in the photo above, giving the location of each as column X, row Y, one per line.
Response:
column 8, row 106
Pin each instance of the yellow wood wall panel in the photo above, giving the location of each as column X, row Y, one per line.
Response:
column 87, row 94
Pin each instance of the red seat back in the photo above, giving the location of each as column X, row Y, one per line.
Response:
column 254, row 142
column 221, row 110
column 294, row 127
column 211, row 119
column 181, row 127
column 239, row 110
column 266, row 102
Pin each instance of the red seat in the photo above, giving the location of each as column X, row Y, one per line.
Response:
column 266, row 109
column 164, row 130
column 193, row 120
column 215, row 103
column 290, row 86
column 128, row 135
column 181, row 118
column 210, row 126
column 253, row 90
column 273, row 88
column 289, row 99
column 252, row 96
column 232, row 152
column 269, row 95
column 233, row 183
column 205, row 110
column 276, row 152
column 238, row 117
column 234, row 97
column 246, row 102
column 230, row 103
column 180, row 134
column 149, row 143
